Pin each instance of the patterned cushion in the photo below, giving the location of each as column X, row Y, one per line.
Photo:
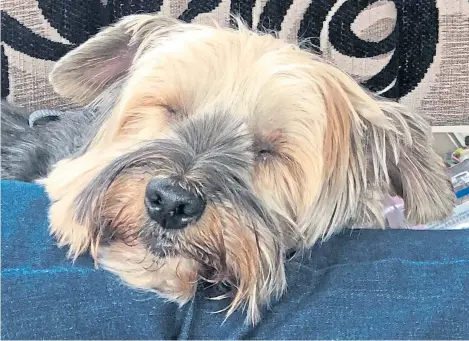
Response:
column 416, row 51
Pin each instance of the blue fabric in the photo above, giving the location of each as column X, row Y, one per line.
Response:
column 359, row 285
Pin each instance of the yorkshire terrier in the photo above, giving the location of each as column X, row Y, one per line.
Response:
column 206, row 154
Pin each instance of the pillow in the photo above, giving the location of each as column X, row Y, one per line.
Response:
column 415, row 51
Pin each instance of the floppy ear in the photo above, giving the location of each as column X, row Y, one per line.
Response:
column 85, row 72
column 374, row 148
column 416, row 172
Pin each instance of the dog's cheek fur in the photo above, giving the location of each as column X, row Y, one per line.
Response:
column 123, row 212
column 63, row 185
column 281, row 185
column 173, row 278
column 243, row 253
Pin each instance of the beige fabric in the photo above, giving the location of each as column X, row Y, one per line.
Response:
column 443, row 93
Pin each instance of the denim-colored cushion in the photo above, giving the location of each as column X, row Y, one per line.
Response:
column 363, row 284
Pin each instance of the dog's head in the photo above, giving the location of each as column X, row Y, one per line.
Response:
column 227, row 148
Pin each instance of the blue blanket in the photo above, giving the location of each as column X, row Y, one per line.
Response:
column 364, row 284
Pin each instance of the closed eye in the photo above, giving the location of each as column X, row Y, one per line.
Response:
column 266, row 145
column 264, row 150
column 170, row 110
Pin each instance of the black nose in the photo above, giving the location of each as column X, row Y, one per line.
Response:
column 172, row 206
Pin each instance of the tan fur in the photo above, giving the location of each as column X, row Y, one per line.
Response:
column 124, row 208
column 240, row 259
column 173, row 278
column 337, row 151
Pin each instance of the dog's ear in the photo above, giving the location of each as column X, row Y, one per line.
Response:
column 374, row 148
column 86, row 71
column 416, row 172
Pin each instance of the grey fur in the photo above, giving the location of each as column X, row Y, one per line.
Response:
column 28, row 153
column 38, row 115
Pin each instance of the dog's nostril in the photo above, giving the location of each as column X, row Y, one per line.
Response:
column 172, row 206
column 179, row 209
column 155, row 201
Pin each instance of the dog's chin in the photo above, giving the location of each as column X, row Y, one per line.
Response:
column 159, row 250
column 162, row 243
column 165, row 248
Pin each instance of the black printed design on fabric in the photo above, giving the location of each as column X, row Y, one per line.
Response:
column 418, row 39
column 311, row 25
column 346, row 42
column 119, row 9
column 273, row 14
column 243, row 9
column 75, row 20
column 412, row 43
column 24, row 40
column 196, row 7
column 5, row 81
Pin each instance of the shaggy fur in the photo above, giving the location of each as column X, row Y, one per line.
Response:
column 284, row 148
